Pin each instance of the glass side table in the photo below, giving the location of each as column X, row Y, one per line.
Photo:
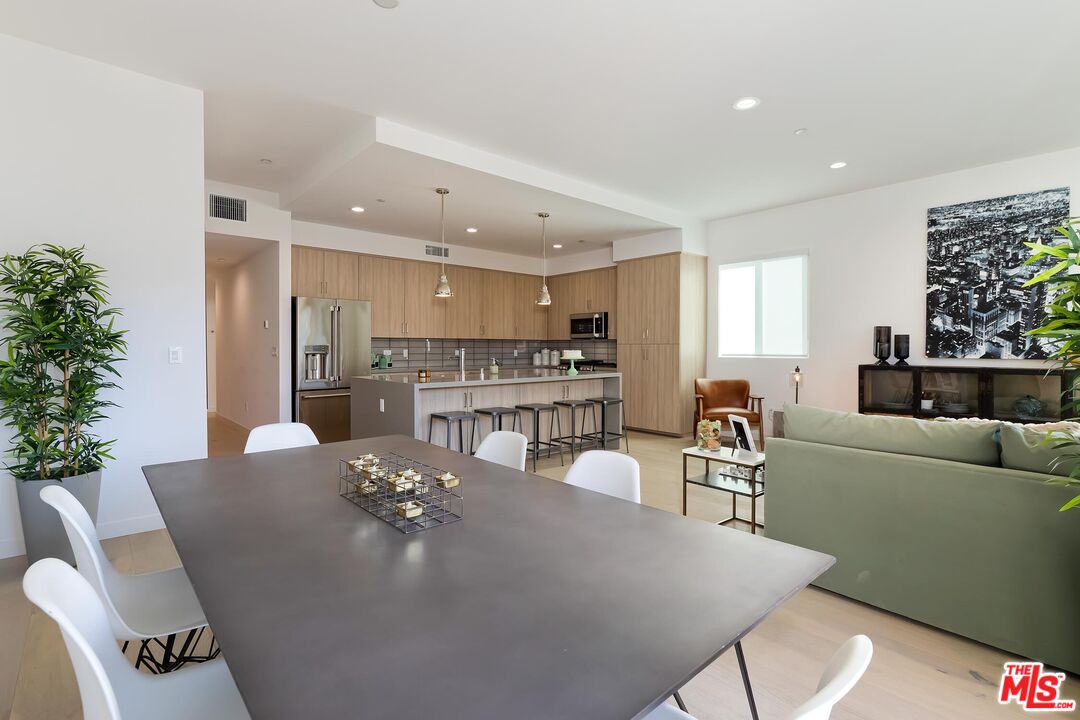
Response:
column 739, row 472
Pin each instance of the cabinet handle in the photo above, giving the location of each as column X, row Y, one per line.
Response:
column 470, row 401
column 465, row 399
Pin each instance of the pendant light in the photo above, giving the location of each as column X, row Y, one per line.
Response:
column 442, row 288
column 543, row 297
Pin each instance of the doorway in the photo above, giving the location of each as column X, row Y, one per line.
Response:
column 242, row 354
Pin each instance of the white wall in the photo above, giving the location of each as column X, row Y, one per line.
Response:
column 247, row 350
column 100, row 156
column 867, row 266
column 211, row 341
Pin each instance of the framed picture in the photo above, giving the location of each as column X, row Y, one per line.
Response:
column 740, row 428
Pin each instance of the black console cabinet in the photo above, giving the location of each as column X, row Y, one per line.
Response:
column 1016, row 394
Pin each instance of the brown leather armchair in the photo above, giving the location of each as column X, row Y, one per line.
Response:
column 717, row 399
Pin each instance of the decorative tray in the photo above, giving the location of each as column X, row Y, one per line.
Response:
column 401, row 491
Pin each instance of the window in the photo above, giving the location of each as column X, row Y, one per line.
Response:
column 762, row 307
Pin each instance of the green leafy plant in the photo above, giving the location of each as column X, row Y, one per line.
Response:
column 1062, row 326
column 62, row 350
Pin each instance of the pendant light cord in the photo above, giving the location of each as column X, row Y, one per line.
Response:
column 543, row 242
column 442, row 228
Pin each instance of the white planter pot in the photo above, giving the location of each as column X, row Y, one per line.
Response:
column 43, row 531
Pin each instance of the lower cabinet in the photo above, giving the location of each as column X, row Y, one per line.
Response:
column 653, row 391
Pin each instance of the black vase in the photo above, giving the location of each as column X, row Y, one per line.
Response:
column 902, row 349
column 882, row 343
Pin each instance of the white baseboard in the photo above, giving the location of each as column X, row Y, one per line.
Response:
column 130, row 526
column 11, row 548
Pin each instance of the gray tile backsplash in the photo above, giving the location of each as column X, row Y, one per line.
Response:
column 479, row 352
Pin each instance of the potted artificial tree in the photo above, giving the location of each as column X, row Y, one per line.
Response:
column 1061, row 327
column 60, row 356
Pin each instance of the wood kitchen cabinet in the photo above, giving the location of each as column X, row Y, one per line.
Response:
column 387, row 297
column 661, row 306
column 324, row 273
column 497, row 312
column 425, row 314
column 530, row 319
column 584, row 292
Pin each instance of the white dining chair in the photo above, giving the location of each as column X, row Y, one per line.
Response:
column 841, row 674
column 110, row 688
column 608, row 472
column 504, row 448
column 279, row 436
column 142, row 608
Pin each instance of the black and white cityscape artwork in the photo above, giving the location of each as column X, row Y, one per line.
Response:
column 976, row 305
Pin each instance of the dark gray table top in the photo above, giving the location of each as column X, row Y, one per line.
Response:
column 546, row 601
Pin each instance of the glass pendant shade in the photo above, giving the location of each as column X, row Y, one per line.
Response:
column 442, row 288
column 543, row 297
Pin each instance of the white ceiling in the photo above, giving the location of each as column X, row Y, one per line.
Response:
column 627, row 95
column 504, row 212
column 224, row 251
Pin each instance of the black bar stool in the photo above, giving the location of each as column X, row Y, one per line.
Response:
column 497, row 414
column 455, row 416
column 538, row 409
column 573, row 405
column 601, row 436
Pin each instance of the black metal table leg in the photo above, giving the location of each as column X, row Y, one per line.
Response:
column 746, row 680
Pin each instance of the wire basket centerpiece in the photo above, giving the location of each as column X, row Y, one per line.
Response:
column 402, row 492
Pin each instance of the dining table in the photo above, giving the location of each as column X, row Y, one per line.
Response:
column 544, row 600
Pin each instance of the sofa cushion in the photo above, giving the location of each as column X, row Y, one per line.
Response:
column 1024, row 448
column 960, row 442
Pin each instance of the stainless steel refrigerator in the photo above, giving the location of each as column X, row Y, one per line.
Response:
column 331, row 345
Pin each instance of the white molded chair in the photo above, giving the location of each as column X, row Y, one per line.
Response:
column 139, row 607
column 111, row 689
column 607, row 472
column 841, row 673
column 279, row 436
column 504, row 448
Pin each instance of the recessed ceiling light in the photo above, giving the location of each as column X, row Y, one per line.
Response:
column 837, row 165
column 388, row 4
column 800, row 131
column 746, row 103
column 379, row 200
column 357, row 209
column 266, row 161
column 557, row 247
column 470, row 230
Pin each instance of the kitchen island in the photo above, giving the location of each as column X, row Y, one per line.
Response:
column 390, row 403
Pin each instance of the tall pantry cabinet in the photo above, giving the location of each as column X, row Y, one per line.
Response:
column 661, row 309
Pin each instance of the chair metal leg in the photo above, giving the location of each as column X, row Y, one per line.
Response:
column 430, row 423
column 461, row 435
column 622, row 429
column 474, row 435
column 746, row 680
column 679, row 702
column 558, row 422
column 551, row 433
column 603, row 422
column 536, row 437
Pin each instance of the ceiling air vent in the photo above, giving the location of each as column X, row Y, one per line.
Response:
column 228, row 208
column 437, row 251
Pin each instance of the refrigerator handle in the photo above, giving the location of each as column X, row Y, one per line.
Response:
column 338, row 343
column 331, row 358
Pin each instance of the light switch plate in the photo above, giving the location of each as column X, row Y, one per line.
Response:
column 176, row 354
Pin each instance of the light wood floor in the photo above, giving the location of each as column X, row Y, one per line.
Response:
column 917, row 671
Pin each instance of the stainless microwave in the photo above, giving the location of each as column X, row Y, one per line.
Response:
column 589, row 326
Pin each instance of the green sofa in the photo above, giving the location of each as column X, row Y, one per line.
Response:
column 925, row 522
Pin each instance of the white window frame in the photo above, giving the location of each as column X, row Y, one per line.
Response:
column 756, row 263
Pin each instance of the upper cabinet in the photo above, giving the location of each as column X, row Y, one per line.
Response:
column 487, row 304
column 649, row 299
column 324, row 273
column 590, row 291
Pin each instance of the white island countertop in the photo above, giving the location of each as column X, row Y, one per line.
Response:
column 444, row 379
